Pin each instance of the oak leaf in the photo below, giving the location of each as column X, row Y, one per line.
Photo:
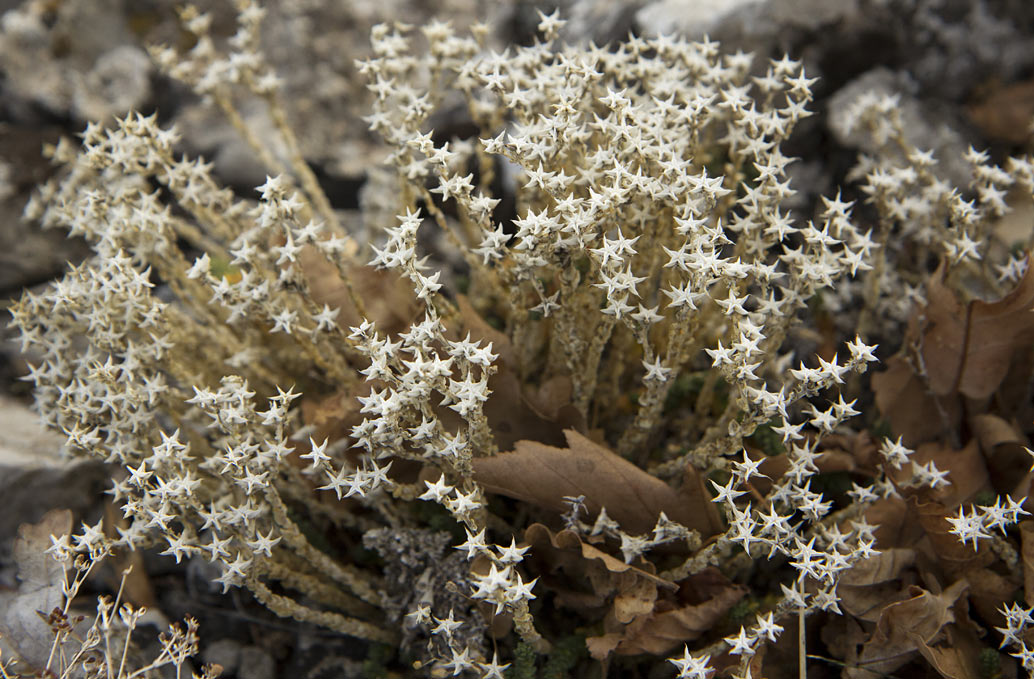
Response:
column 872, row 583
column 902, row 625
column 1027, row 553
column 670, row 625
column 572, row 554
column 542, row 475
column 968, row 347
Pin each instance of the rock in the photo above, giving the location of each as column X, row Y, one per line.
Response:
column 47, row 56
column 226, row 653
column 120, row 81
column 255, row 663
column 688, row 17
column 926, row 127
column 28, row 254
column 35, row 479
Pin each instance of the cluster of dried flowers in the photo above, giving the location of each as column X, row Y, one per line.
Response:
column 618, row 365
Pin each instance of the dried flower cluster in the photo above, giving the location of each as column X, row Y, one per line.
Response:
column 636, row 291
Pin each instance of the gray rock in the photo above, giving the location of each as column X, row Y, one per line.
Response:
column 35, row 479
column 926, row 126
column 255, row 663
column 690, row 17
column 120, row 81
column 28, row 254
column 949, row 47
column 226, row 653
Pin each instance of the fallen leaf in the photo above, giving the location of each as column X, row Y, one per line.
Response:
column 669, row 625
column 915, row 414
column 1005, row 114
column 988, row 590
column 901, row 626
column 480, row 331
column 968, row 348
column 881, row 567
column 511, row 418
column 388, row 299
column 954, row 557
column 967, row 472
column 895, row 523
column 1027, row 552
column 861, row 447
column 703, row 600
column 542, row 475
column 958, row 657
column 517, row 411
column 872, row 583
column 1004, row 449
column 621, row 593
column 950, row 661
column 570, row 550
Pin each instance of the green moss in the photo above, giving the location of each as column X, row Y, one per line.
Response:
column 565, row 654
column 881, row 429
column 523, row 666
column 221, row 268
column 990, row 662
column 832, row 484
column 985, row 498
column 742, row 610
column 313, row 534
column 767, row 440
column 375, row 666
column 683, row 391
column 719, row 476
column 437, row 518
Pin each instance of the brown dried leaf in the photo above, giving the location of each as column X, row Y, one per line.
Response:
column 518, row 411
column 895, row 523
column 902, row 625
column 479, row 329
column 1027, row 550
column 389, row 299
column 967, row 472
column 988, row 590
column 1005, row 114
column 634, row 601
column 702, row 602
column 968, row 348
column 873, row 583
column 958, row 657
column 950, row 661
column 512, row 419
column 861, row 447
column 914, row 413
column 670, row 625
column 542, row 475
column 576, row 557
column 1004, row 449
column 881, row 567
column 992, row 431
column 954, row 557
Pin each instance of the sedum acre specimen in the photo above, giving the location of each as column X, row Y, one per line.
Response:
column 565, row 381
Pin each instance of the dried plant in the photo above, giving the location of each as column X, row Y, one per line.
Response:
column 608, row 399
